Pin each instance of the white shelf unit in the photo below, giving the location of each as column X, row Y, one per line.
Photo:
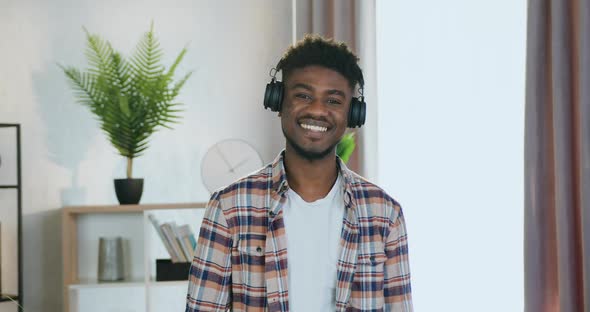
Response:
column 138, row 292
column 168, row 295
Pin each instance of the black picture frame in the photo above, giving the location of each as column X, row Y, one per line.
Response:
column 12, row 180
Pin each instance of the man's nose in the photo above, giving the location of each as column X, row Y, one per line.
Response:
column 317, row 108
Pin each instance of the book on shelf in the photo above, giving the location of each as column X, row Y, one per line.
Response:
column 165, row 240
column 179, row 240
column 186, row 250
column 170, row 233
column 188, row 239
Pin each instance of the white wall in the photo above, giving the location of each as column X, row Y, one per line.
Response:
column 450, row 119
column 67, row 160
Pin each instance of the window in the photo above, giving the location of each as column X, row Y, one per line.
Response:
column 450, row 111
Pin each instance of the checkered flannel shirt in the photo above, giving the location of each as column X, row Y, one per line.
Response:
column 240, row 262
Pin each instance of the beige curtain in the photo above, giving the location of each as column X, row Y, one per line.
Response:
column 351, row 21
column 557, row 157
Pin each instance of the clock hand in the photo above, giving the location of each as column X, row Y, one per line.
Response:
column 240, row 163
column 224, row 159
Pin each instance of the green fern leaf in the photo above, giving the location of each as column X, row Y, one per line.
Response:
column 131, row 98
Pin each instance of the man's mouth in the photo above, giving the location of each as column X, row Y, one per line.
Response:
column 313, row 128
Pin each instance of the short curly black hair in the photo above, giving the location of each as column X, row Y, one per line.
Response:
column 316, row 50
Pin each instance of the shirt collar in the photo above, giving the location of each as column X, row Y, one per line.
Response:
column 280, row 184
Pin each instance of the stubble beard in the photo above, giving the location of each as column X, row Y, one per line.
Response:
column 306, row 154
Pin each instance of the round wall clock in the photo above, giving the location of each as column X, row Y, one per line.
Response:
column 228, row 160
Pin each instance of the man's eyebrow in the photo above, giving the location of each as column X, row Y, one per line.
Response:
column 310, row 88
column 336, row 92
column 303, row 86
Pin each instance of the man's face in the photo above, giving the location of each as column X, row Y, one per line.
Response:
column 315, row 108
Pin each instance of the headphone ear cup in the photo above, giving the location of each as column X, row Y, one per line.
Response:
column 357, row 114
column 273, row 95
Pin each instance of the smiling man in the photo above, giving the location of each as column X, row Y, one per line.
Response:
column 305, row 233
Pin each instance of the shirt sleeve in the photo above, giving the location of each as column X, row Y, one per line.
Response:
column 210, row 273
column 397, row 289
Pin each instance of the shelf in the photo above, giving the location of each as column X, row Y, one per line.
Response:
column 11, row 296
column 128, row 297
column 81, row 228
column 76, row 210
column 8, row 186
column 168, row 283
column 94, row 283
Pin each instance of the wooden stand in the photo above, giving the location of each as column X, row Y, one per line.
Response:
column 70, row 234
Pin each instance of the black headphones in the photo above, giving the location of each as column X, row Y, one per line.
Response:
column 273, row 99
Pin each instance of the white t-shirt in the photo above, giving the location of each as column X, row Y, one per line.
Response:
column 313, row 247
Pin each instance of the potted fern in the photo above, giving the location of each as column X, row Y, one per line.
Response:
column 131, row 99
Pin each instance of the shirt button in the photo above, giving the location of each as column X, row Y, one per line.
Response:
column 271, row 214
column 258, row 249
column 372, row 258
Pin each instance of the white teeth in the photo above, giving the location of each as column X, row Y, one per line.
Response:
column 314, row 128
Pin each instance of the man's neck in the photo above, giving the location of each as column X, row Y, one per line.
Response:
column 311, row 179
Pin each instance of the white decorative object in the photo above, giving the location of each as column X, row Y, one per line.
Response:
column 227, row 161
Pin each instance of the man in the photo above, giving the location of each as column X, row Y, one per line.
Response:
column 305, row 233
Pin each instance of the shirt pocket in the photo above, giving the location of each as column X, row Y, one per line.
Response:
column 249, row 260
column 370, row 268
column 372, row 259
column 251, row 247
column 367, row 286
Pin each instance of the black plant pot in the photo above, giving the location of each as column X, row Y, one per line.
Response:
column 129, row 191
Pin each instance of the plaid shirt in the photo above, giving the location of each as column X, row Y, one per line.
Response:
column 240, row 262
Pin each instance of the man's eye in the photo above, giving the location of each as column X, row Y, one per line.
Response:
column 334, row 101
column 303, row 96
